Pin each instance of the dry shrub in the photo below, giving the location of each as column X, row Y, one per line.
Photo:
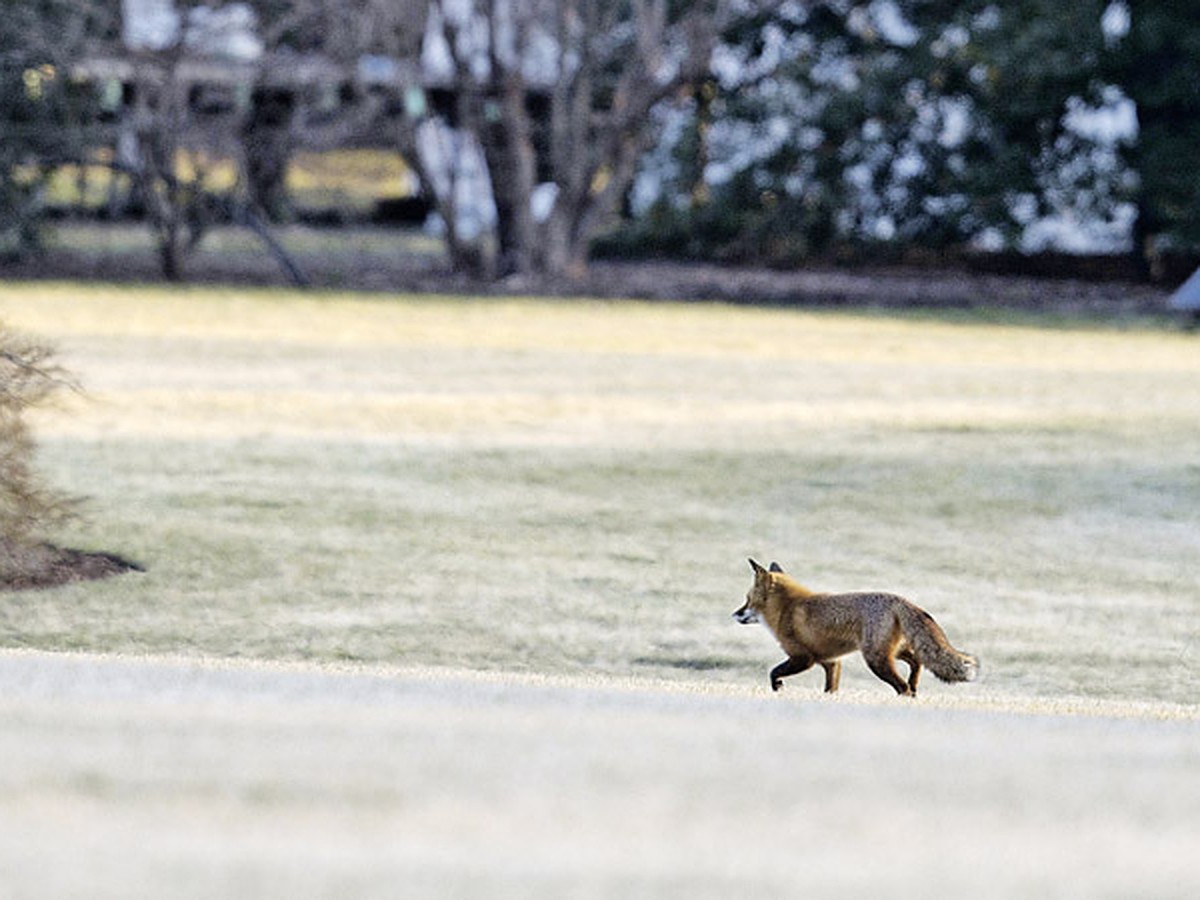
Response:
column 29, row 376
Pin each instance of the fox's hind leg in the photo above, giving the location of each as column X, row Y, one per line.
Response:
column 793, row 665
column 833, row 675
column 914, row 669
column 884, row 667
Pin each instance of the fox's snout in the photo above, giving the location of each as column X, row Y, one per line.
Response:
column 745, row 615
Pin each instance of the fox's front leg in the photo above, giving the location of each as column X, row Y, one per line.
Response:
column 793, row 665
column 833, row 675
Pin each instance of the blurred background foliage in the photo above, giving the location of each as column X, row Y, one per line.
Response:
column 833, row 130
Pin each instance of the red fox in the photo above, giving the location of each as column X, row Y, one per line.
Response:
column 821, row 628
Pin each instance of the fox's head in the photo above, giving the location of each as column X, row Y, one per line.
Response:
column 756, row 600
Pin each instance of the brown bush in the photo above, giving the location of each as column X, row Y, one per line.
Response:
column 29, row 376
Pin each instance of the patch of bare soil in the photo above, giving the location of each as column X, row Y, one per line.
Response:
column 42, row 565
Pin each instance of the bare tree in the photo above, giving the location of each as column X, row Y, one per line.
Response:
column 559, row 95
column 169, row 156
column 175, row 202
column 524, row 119
column 260, row 111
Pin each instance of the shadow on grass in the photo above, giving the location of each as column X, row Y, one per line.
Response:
column 689, row 663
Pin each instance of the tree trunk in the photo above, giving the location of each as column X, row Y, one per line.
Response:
column 564, row 250
column 520, row 236
column 170, row 253
column 267, row 148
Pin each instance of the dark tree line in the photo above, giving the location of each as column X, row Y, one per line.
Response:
column 733, row 129
column 950, row 123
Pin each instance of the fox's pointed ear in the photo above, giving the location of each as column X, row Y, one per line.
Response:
column 758, row 570
column 776, row 567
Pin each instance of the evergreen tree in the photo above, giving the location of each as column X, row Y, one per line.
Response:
column 1157, row 65
column 909, row 122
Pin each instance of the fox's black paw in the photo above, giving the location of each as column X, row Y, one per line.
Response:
column 776, row 684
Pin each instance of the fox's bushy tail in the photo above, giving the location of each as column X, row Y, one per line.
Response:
column 933, row 649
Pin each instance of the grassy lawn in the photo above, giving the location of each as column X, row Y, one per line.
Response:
column 124, row 239
column 573, row 487
column 150, row 778
column 349, row 181
column 438, row 598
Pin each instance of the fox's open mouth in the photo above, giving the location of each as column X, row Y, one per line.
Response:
column 745, row 616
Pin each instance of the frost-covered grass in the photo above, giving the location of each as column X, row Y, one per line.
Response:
column 573, row 487
column 445, row 586
column 152, row 777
